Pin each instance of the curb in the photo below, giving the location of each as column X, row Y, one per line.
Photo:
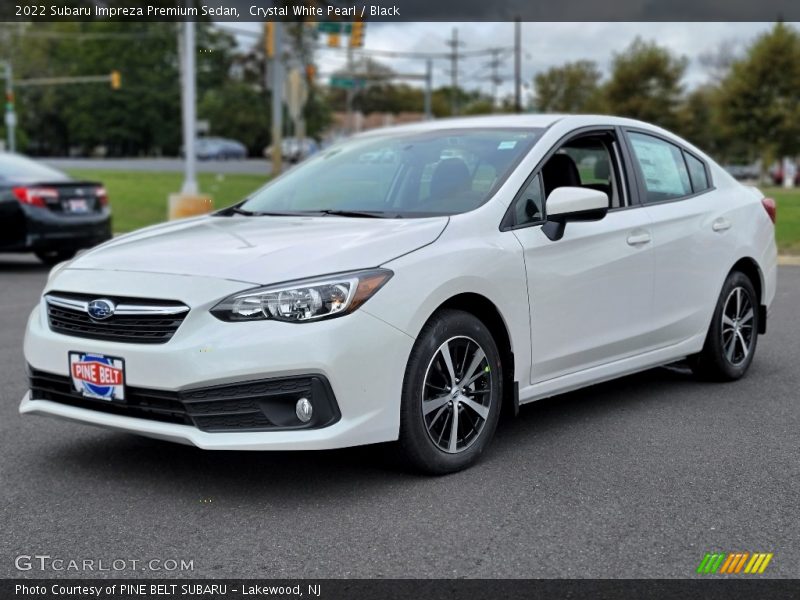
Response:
column 785, row 260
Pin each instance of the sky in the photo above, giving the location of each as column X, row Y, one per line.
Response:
column 543, row 45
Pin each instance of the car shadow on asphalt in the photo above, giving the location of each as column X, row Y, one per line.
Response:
column 168, row 467
column 12, row 263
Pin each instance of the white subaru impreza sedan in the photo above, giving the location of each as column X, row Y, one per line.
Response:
column 406, row 285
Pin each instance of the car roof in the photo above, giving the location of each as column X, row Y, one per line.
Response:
column 566, row 122
column 532, row 120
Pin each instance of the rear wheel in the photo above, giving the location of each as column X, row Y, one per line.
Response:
column 732, row 337
column 52, row 257
column 451, row 394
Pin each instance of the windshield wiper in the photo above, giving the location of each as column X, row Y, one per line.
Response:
column 369, row 214
column 260, row 213
column 304, row 213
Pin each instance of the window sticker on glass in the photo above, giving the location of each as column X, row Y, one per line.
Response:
column 658, row 166
column 507, row 145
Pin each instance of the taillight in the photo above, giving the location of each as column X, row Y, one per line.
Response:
column 102, row 196
column 35, row 196
column 771, row 208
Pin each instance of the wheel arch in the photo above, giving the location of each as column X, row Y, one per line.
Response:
column 750, row 268
column 484, row 309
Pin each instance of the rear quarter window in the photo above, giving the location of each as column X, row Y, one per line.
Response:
column 697, row 173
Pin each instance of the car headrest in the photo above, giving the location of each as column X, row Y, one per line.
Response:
column 450, row 176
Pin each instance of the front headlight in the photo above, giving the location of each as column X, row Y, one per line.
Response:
column 304, row 300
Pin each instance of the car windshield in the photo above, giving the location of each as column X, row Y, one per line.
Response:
column 16, row 168
column 443, row 172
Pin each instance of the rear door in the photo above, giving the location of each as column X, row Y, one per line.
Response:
column 691, row 234
column 590, row 292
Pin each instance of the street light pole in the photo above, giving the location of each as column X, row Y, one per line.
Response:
column 517, row 65
column 189, row 117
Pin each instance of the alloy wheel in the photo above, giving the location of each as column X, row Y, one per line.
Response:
column 457, row 394
column 737, row 326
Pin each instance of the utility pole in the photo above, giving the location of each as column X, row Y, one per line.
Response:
column 11, row 116
column 188, row 80
column 495, row 78
column 277, row 98
column 428, row 88
column 517, row 65
column 454, row 55
column 350, row 93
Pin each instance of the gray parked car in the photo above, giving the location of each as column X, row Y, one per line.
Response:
column 216, row 148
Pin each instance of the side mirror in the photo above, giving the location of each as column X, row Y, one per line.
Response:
column 566, row 204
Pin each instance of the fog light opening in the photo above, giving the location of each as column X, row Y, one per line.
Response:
column 304, row 410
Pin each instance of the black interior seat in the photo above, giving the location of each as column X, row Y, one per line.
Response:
column 560, row 171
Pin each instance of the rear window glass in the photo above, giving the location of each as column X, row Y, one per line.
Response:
column 663, row 167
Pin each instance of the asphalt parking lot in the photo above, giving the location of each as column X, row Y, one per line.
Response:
column 634, row 478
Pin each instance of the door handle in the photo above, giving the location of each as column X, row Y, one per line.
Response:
column 721, row 224
column 637, row 239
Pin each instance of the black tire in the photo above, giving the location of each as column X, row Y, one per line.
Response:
column 733, row 334
column 475, row 408
column 53, row 257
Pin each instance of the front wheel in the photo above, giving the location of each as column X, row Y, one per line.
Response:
column 451, row 394
column 732, row 336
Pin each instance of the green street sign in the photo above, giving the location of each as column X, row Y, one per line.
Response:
column 347, row 83
column 334, row 28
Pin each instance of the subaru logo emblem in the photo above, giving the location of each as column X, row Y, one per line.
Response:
column 100, row 309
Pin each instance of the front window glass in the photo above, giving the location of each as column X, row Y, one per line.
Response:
column 529, row 207
column 443, row 172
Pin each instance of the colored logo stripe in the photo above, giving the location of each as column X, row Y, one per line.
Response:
column 730, row 563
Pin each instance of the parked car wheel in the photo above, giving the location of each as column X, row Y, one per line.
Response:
column 53, row 257
column 451, row 394
column 731, row 341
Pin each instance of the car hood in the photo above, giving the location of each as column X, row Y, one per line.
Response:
column 264, row 249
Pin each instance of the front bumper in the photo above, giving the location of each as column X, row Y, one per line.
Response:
column 362, row 358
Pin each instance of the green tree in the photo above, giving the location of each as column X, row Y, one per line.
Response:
column 697, row 119
column 143, row 117
column 240, row 111
column 570, row 88
column 760, row 97
column 646, row 84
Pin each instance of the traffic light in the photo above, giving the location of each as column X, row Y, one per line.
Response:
column 357, row 34
column 269, row 39
column 116, row 80
column 333, row 40
column 9, row 101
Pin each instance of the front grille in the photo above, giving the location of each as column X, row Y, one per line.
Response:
column 265, row 405
column 140, row 322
